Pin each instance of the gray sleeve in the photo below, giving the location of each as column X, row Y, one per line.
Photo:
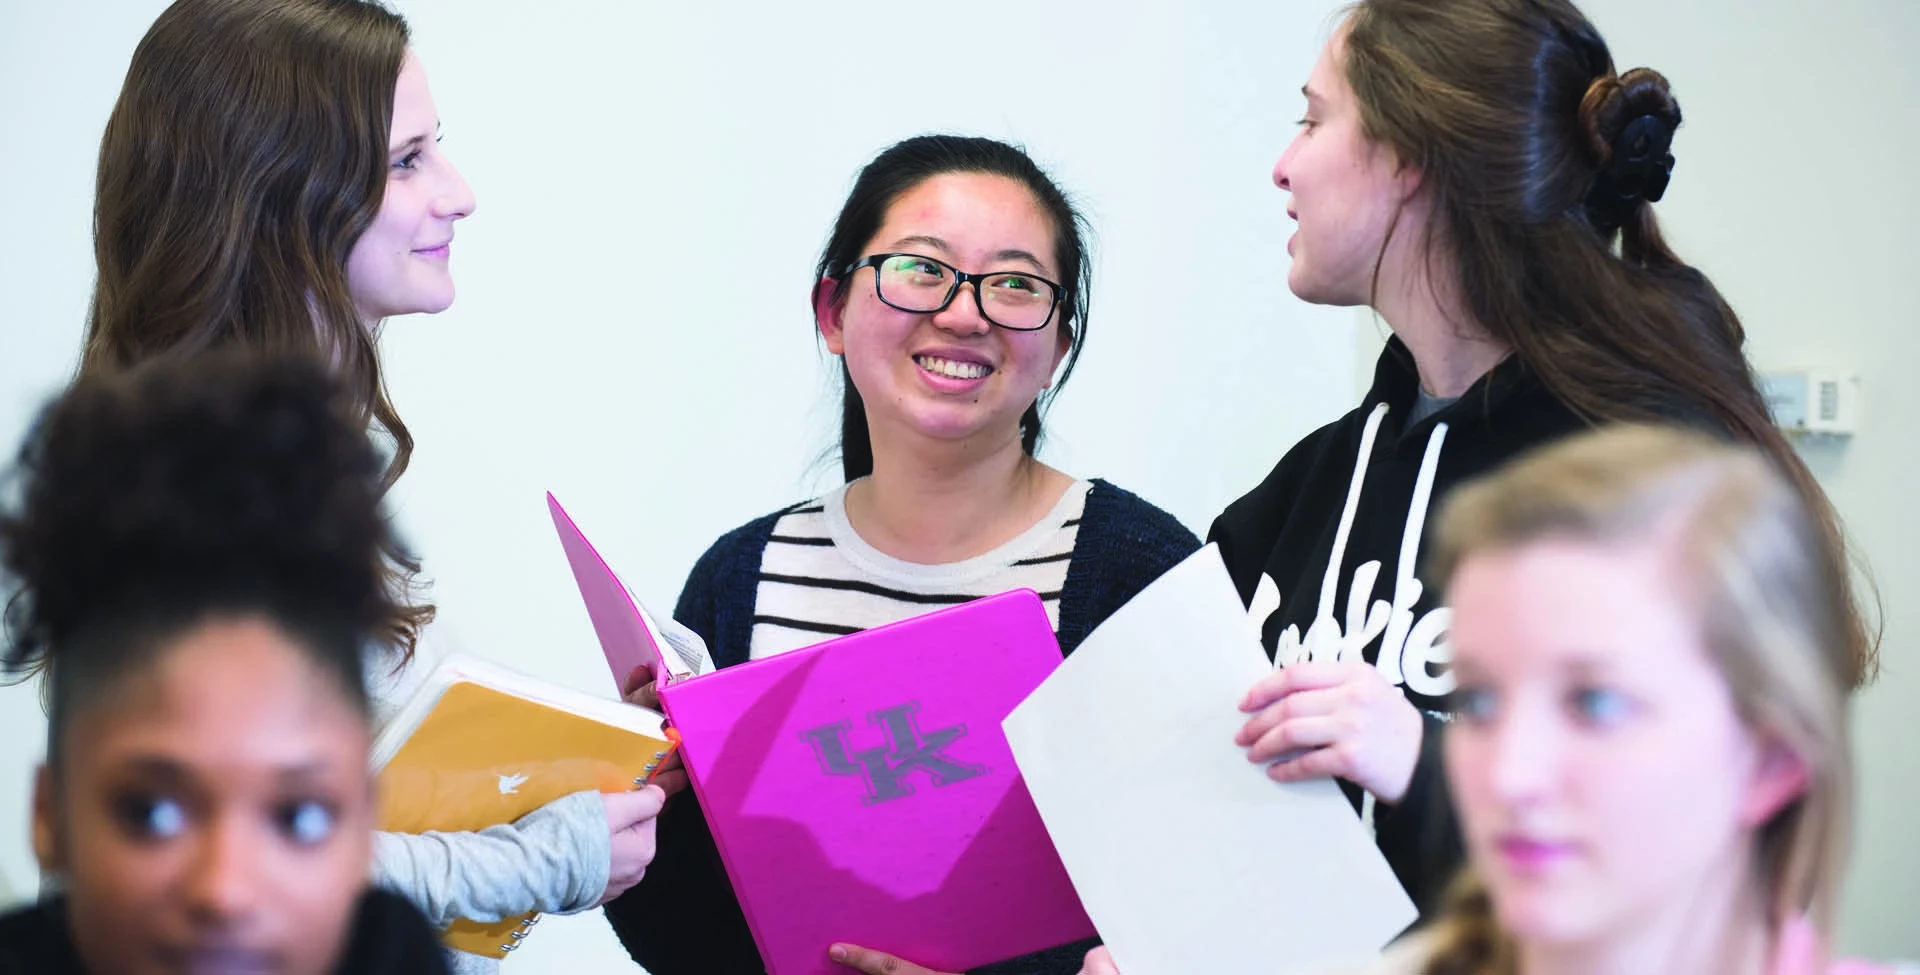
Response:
column 554, row 860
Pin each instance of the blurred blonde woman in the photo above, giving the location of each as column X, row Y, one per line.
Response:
column 1649, row 750
column 1650, row 746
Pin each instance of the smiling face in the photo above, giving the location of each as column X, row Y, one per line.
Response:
column 949, row 375
column 212, row 813
column 1603, row 775
column 399, row 266
column 1344, row 190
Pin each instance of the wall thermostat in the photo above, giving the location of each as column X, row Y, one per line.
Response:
column 1813, row 402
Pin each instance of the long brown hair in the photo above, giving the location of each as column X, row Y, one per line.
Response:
column 1775, row 621
column 1510, row 110
column 246, row 155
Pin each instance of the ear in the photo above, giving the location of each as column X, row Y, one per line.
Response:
column 1779, row 777
column 48, row 844
column 1060, row 350
column 1408, row 179
column 827, row 314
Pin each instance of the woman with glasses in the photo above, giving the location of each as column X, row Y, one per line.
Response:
column 954, row 289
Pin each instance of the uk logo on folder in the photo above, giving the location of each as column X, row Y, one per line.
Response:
column 888, row 769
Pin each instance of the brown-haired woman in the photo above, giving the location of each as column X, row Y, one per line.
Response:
column 270, row 179
column 1480, row 175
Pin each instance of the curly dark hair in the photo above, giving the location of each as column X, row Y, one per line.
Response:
column 144, row 502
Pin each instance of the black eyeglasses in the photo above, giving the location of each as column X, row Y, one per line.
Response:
column 1010, row 299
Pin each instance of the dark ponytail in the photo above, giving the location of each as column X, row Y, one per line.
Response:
column 1541, row 164
column 894, row 173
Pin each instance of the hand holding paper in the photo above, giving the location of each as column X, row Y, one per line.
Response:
column 1320, row 719
column 1225, row 871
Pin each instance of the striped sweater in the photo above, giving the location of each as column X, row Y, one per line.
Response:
column 820, row 579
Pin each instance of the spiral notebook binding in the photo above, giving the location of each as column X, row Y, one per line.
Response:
column 517, row 938
column 652, row 767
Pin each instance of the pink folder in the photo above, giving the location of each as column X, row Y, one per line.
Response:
column 861, row 791
column 627, row 636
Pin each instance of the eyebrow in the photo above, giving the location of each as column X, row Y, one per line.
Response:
column 168, row 770
column 416, row 141
column 303, row 772
column 1019, row 255
column 1464, row 669
column 933, row 242
column 157, row 767
column 1589, row 664
column 1009, row 254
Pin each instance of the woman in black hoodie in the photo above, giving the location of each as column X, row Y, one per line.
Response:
column 195, row 551
column 1477, row 173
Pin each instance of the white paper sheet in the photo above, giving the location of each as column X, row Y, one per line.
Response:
column 1187, row 857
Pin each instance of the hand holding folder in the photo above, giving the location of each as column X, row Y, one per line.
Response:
column 640, row 692
column 876, row 962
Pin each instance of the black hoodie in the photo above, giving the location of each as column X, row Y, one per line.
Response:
column 1328, row 549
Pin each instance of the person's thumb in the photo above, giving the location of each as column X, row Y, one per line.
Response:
column 625, row 809
column 1798, row 949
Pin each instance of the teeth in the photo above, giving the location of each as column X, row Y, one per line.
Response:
column 951, row 369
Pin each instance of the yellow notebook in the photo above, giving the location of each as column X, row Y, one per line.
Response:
column 480, row 745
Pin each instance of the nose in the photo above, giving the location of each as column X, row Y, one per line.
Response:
column 1284, row 165
column 455, row 200
column 1526, row 754
column 223, row 879
column 962, row 315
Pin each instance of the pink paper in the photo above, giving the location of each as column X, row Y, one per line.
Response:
column 861, row 791
column 616, row 617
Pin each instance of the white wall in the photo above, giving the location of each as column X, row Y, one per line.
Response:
column 1794, row 191
column 639, row 167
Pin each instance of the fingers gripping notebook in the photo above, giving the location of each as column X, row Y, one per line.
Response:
column 480, row 745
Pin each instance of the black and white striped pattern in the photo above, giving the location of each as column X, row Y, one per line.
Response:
column 819, row 580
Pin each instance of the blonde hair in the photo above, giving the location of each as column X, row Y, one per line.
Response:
column 1774, row 618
